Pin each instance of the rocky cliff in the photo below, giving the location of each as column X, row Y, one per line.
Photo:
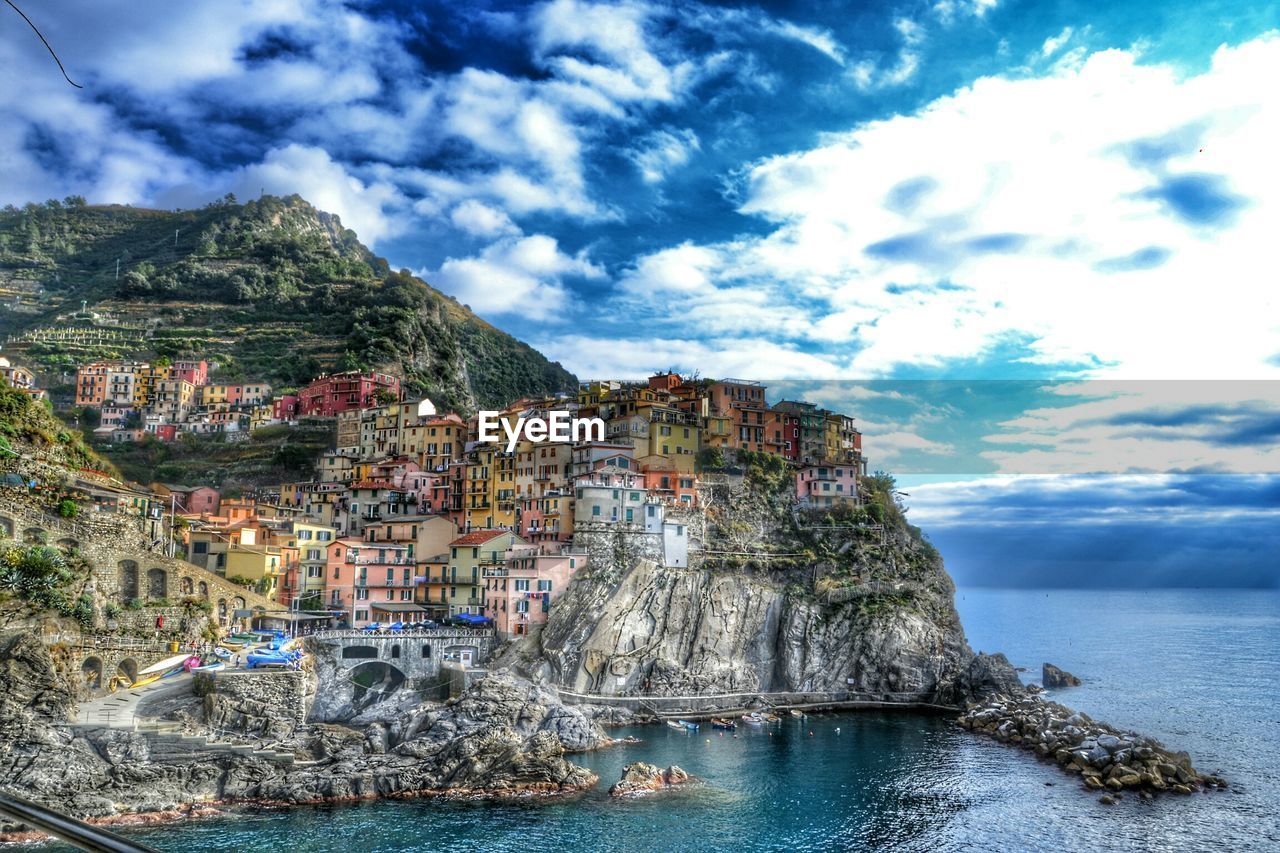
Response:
column 775, row 599
column 503, row 736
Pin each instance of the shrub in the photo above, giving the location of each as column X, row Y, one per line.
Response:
column 134, row 604
column 67, row 508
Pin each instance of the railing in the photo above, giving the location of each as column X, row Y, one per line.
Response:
column 356, row 634
column 711, row 703
column 77, row 832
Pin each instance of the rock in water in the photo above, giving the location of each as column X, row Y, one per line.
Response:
column 1053, row 677
column 640, row 778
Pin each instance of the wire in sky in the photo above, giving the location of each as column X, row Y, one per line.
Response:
column 52, row 53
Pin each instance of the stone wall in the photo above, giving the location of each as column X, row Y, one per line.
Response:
column 267, row 705
column 126, row 564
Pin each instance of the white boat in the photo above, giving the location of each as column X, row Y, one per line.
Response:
column 677, row 724
column 165, row 665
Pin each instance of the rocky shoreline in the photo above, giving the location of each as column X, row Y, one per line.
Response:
column 1106, row 759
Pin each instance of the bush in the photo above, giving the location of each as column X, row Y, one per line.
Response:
column 203, row 684
column 67, row 508
column 134, row 604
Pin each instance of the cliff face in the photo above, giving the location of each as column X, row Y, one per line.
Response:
column 778, row 601
column 681, row 631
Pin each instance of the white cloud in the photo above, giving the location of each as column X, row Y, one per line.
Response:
column 868, row 74
column 481, row 220
column 663, row 151
column 1116, row 216
column 1144, row 427
column 1054, row 43
column 517, row 275
column 637, row 355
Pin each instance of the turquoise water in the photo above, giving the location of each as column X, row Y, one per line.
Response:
column 1197, row 669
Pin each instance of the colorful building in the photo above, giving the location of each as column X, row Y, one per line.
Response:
column 519, row 592
column 331, row 394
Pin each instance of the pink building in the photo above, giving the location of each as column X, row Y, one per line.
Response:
column 824, row 485
column 369, row 581
column 518, row 594
column 285, row 408
column 195, row 372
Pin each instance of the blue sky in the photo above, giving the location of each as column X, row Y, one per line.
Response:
column 974, row 189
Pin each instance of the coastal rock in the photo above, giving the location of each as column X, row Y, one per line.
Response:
column 1052, row 677
column 640, row 778
column 1103, row 756
column 503, row 736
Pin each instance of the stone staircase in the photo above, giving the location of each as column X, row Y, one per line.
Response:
column 169, row 738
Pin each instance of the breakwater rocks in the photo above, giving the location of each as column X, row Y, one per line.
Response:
column 1106, row 758
column 639, row 778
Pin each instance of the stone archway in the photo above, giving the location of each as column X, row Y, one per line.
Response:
column 372, row 682
column 238, row 603
column 127, row 671
column 222, row 609
column 91, row 669
column 6, row 528
column 157, row 583
column 128, row 579
column 35, row 536
column 188, row 586
column 204, row 590
column 66, row 543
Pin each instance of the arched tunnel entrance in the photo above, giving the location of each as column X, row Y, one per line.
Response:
column 92, row 672
column 372, row 682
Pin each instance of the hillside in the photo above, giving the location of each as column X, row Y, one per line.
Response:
column 270, row 289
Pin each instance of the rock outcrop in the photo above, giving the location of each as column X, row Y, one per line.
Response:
column 639, row 778
column 503, row 736
column 1052, row 677
column 1105, row 757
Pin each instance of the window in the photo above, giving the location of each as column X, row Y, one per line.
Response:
column 522, row 606
column 629, row 512
column 200, row 547
column 362, row 594
column 313, row 572
column 522, row 584
column 544, row 586
column 362, row 615
column 595, row 510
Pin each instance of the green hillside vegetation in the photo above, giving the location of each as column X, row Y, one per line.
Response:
column 28, row 428
column 271, row 289
column 267, row 458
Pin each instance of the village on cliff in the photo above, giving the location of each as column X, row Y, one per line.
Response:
column 409, row 517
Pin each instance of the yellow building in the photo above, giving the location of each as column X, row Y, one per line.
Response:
column 469, row 555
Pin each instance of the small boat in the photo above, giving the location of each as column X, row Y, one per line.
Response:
column 793, row 712
column 222, row 653
column 772, row 718
column 753, row 719
column 266, row 657
column 233, row 645
column 210, row 667
column 677, row 724
column 693, row 727
column 717, row 723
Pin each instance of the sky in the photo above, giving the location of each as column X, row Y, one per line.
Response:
column 946, row 191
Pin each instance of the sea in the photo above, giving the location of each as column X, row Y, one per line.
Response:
column 1197, row 669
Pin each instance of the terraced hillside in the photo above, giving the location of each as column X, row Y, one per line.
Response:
column 271, row 289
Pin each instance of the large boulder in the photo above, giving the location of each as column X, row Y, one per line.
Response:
column 641, row 778
column 1052, row 677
